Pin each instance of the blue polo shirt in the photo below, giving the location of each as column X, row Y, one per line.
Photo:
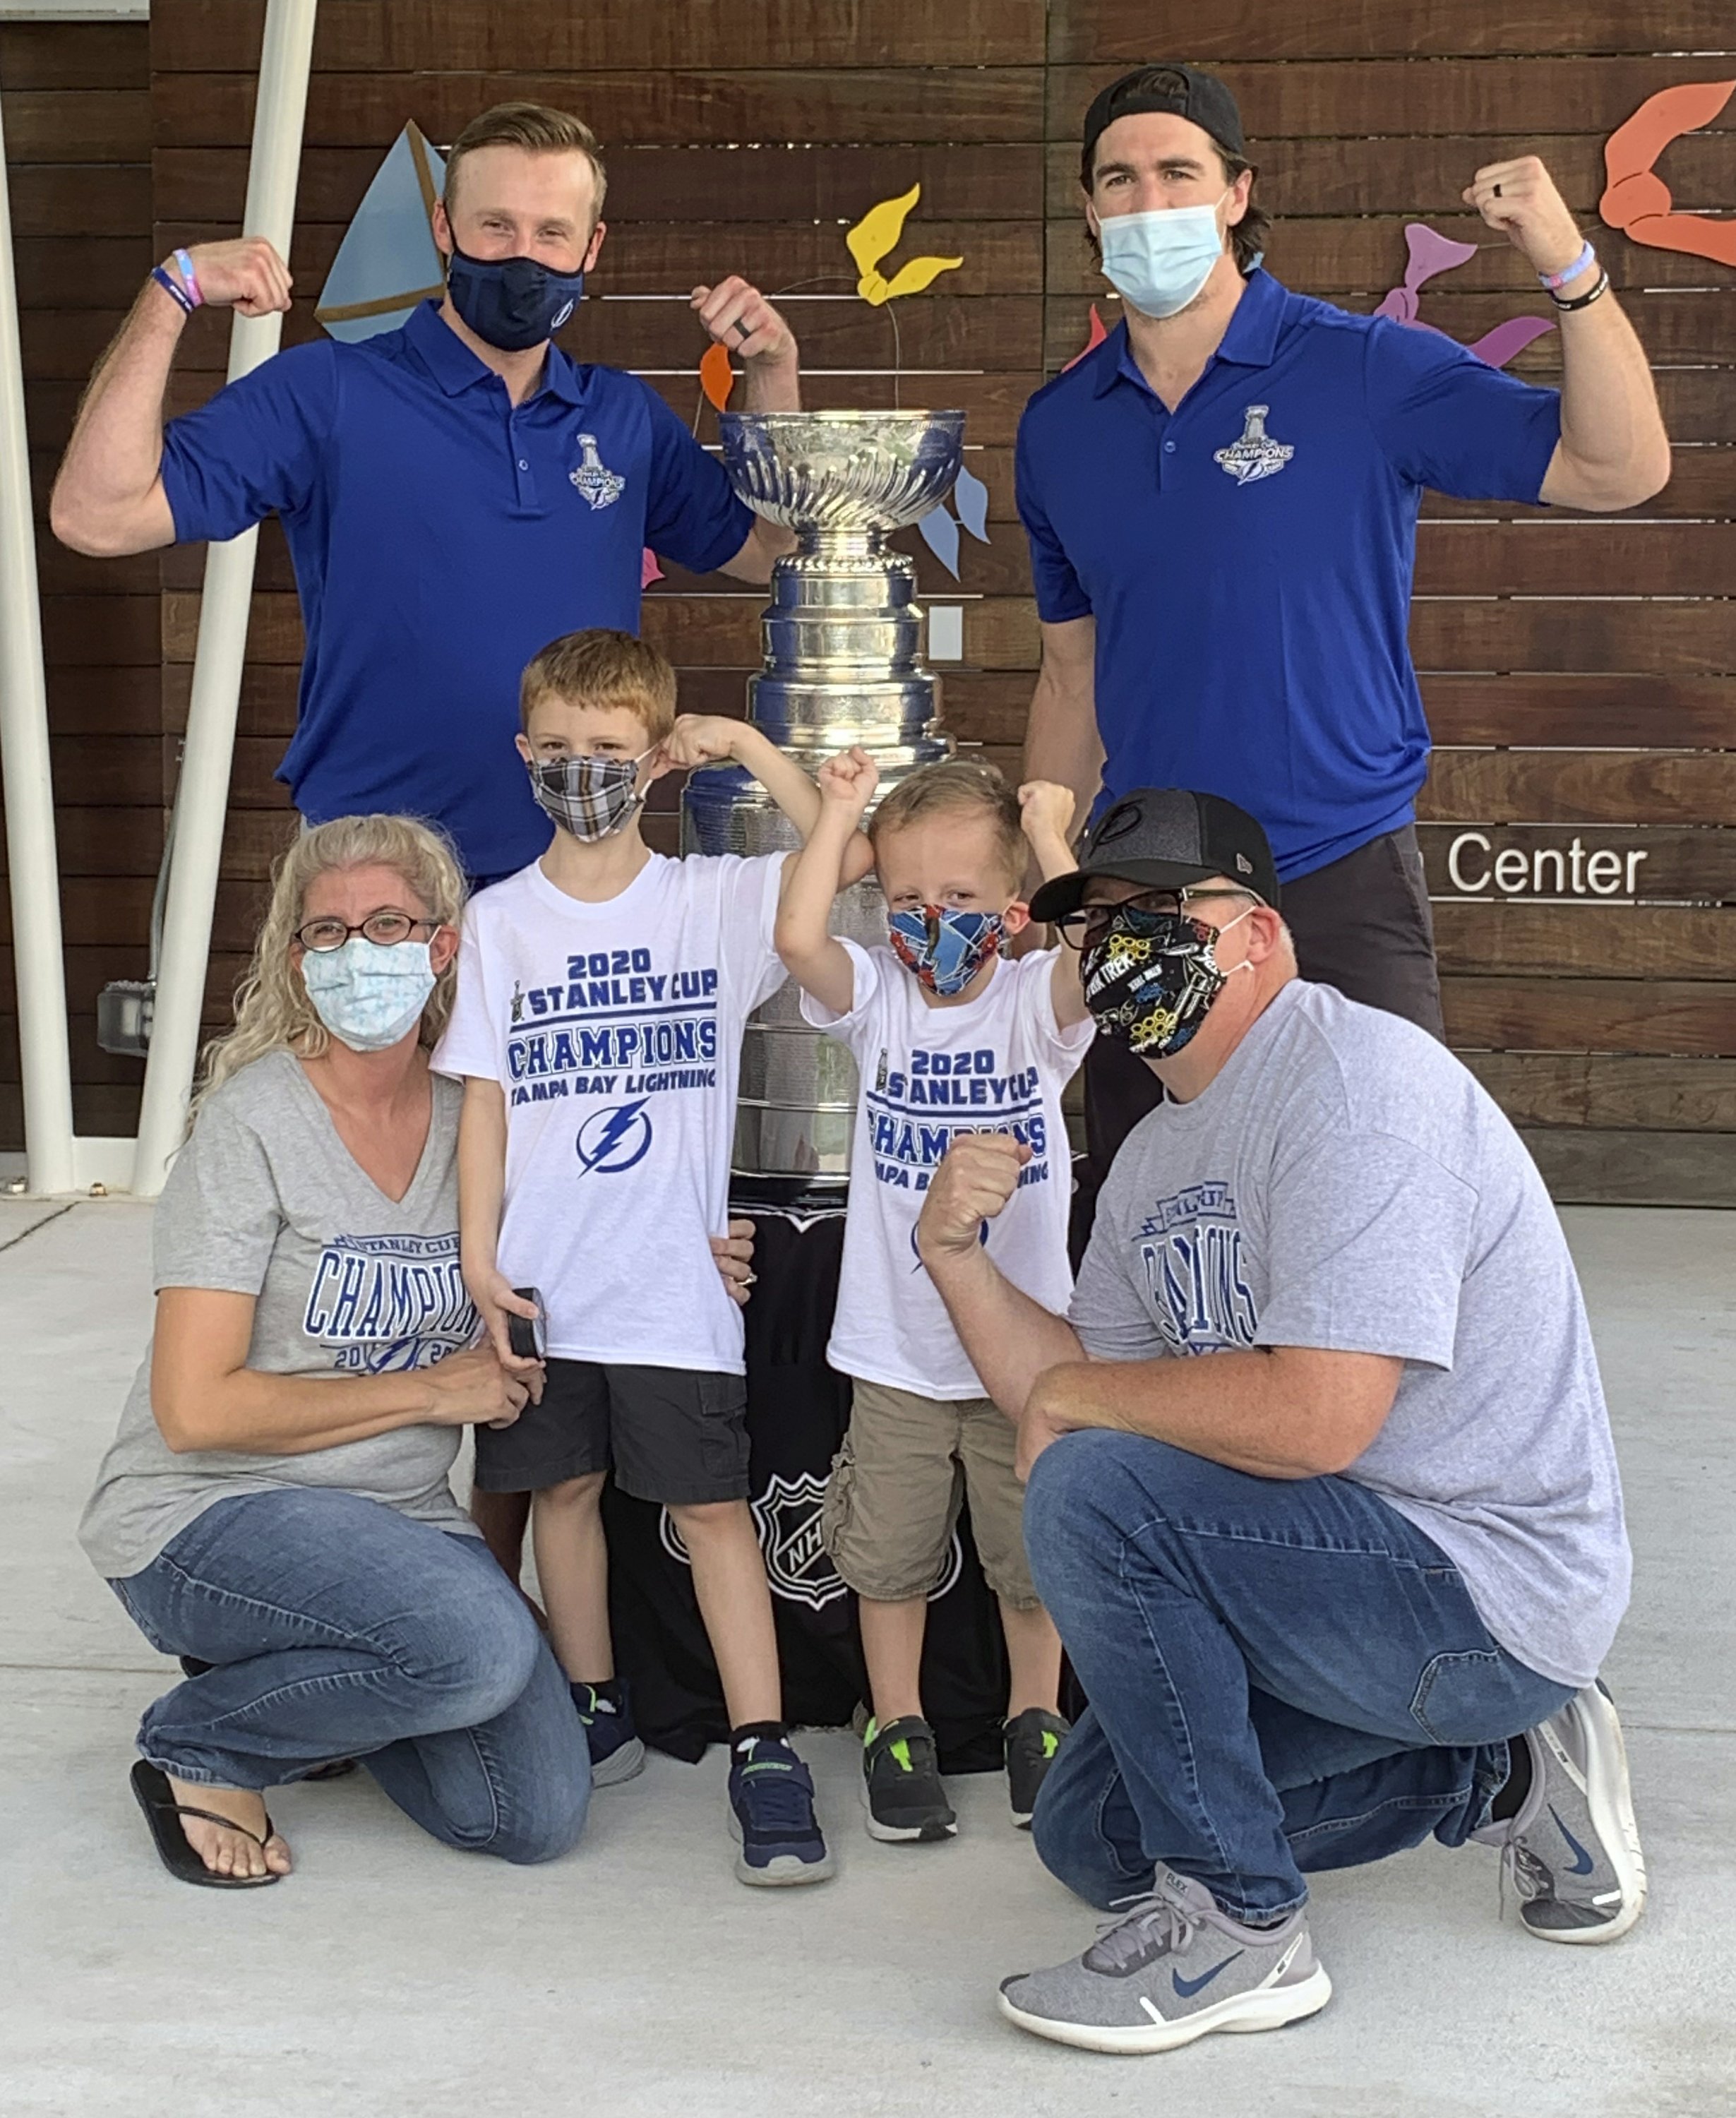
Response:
column 441, row 536
column 1248, row 558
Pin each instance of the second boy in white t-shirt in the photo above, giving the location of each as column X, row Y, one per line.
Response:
column 950, row 1036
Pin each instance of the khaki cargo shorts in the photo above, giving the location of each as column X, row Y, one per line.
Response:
column 893, row 1501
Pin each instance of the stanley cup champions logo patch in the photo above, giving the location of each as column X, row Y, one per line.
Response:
column 1256, row 454
column 594, row 479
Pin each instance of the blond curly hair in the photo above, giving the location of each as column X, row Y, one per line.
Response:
column 272, row 1010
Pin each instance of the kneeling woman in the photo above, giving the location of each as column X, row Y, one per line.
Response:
column 276, row 1504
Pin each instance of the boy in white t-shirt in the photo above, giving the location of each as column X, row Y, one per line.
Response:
column 950, row 1036
column 602, row 993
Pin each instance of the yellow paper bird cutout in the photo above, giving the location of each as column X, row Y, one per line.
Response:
column 875, row 236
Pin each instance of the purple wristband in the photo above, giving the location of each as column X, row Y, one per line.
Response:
column 172, row 287
column 1587, row 258
column 189, row 277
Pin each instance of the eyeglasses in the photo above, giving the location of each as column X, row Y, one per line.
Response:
column 321, row 936
column 1141, row 915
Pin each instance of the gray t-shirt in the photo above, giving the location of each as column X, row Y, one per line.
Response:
column 1346, row 1183
column 266, row 1199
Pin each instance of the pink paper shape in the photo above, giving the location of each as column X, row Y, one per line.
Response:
column 649, row 569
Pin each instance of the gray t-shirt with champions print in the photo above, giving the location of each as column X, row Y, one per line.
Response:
column 266, row 1199
column 1344, row 1182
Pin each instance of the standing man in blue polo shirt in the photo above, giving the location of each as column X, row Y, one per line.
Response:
column 1222, row 501
column 456, row 494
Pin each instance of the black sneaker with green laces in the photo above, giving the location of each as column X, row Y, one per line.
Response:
column 901, row 1783
column 1033, row 1737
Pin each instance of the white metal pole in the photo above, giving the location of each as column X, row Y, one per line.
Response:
column 202, row 799
column 34, row 868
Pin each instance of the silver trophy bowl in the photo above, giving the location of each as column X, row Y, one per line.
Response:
column 865, row 472
column 843, row 666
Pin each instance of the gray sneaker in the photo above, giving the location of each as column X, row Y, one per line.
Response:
column 1573, row 1850
column 1172, row 1968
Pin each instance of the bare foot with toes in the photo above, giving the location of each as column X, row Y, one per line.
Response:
column 230, row 1852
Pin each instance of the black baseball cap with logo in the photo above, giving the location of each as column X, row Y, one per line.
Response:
column 1165, row 837
column 1182, row 90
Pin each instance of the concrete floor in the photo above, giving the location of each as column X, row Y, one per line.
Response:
column 392, row 1979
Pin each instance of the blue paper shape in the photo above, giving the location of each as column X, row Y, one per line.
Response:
column 970, row 497
column 939, row 534
column 387, row 261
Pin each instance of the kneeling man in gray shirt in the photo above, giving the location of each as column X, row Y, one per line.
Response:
column 1348, row 1580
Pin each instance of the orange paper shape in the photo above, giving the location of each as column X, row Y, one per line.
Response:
column 717, row 377
column 1099, row 333
column 875, row 236
column 1637, row 200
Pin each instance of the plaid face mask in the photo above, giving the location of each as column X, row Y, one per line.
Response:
column 591, row 797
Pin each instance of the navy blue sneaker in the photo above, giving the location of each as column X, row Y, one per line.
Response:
column 616, row 1752
column 771, row 1815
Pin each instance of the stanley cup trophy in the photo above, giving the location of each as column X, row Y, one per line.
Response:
column 843, row 666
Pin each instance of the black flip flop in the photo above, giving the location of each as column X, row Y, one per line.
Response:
column 161, row 1810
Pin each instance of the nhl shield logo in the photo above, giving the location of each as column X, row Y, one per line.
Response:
column 1256, row 454
column 786, row 1516
column 594, row 479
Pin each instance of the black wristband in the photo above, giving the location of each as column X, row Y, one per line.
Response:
column 1584, row 301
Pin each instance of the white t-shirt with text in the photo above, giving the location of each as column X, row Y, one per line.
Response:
column 615, row 1032
column 997, row 1063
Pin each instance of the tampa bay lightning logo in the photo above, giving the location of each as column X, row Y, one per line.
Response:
column 612, row 1140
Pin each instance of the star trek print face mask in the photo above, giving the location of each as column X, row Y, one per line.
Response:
column 1151, row 978
column 591, row 797
column 943, row 949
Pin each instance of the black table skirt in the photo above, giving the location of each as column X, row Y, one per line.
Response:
column 797, row 1409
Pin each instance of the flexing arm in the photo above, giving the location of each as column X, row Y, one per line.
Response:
column 817, row 962
column 108, row 499
column 1061, row 739
column 713, row 739
column 1046, row 810
column 204, row 1396
column 1011, row 1340
column 1613, row 450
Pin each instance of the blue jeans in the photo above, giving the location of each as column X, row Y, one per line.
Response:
column 339, row 1628
column 1283, row 1676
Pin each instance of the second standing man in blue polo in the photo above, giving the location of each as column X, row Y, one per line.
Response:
column 456, row 494
column 1222, row 501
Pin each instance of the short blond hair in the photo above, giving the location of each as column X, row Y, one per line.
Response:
column 600, row 667
column 959, row 786
column 536, row 128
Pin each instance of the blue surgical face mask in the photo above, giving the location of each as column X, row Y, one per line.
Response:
column 512, row 303
column 1158, row 262
column 369, row 997
column 944, row 950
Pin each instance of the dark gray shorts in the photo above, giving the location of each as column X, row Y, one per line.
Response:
column 675, row 1436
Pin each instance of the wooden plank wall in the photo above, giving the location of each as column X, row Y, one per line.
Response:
column 1578, row 673
column 77, row 108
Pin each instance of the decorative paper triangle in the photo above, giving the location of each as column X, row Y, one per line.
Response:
column 387, row 261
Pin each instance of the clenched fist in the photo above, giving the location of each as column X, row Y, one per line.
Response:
column 247, row 274
column 980, row 1173
column 1520, row 199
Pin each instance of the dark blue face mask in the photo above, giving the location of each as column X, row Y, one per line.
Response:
column 512, row 303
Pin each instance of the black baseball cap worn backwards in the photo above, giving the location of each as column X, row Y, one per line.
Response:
column 1182, row 90
column 1165, row 837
